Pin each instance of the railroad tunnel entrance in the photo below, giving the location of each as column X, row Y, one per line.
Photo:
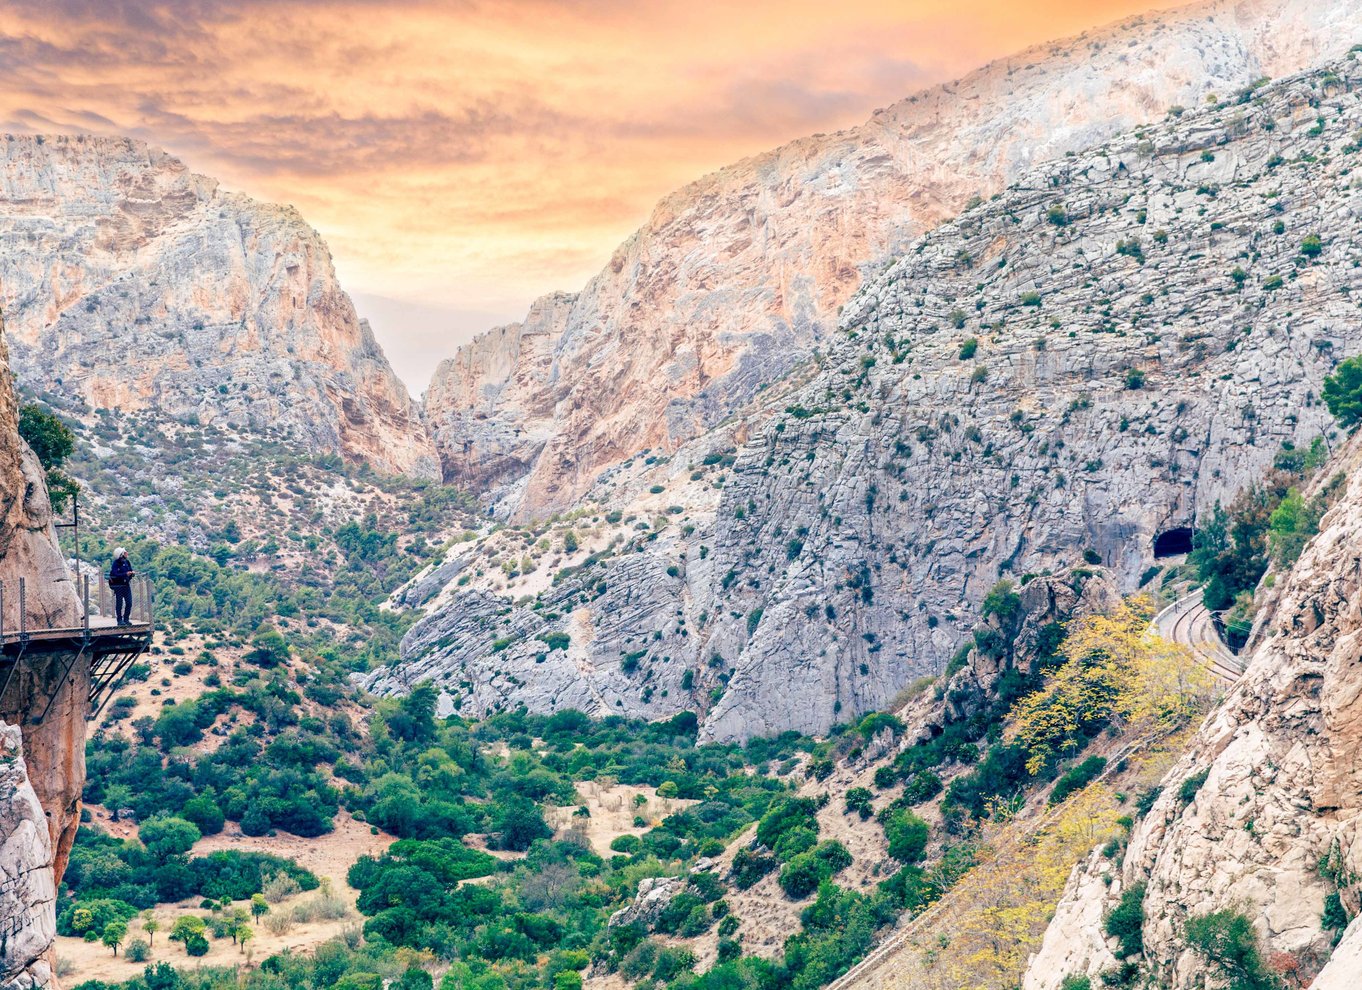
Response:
column 1173, row 542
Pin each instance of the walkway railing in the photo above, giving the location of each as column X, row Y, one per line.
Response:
column 96, row 612
column 94, row 632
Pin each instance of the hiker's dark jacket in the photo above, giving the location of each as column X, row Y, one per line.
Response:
column 120, row 572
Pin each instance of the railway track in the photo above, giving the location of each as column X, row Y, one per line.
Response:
column 1188, row 622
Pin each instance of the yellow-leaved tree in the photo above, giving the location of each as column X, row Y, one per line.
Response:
column 1116, row 670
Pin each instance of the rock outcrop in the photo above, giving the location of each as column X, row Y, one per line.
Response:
column 42, row 764
column 28, row 892
column 1123, row 339
column 132, row 283
column 739, row 277
column 1275, row 826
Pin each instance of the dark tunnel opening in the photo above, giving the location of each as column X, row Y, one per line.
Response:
column 1173, row 543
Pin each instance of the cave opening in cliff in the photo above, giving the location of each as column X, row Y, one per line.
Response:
column 1173, row 543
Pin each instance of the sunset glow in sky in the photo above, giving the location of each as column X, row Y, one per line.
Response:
column 462, row 158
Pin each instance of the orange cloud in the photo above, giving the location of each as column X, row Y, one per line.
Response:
column 476, row 154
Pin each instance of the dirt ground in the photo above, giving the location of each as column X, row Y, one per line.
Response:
column 612, row 810
column 329, row 857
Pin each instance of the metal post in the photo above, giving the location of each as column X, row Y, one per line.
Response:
column 85, row 586
column 23, row 610
column 2, row 614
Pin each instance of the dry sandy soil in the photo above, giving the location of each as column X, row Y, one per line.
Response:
column 612, row 810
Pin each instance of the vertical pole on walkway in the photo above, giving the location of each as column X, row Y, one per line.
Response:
column 23, row 610
column 85, row 588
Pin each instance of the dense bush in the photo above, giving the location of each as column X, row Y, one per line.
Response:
column 907, row 835
column 802, row 875
column 1228, row 941
column 1343, row 393
column 1125, row 922
column 1077, row 778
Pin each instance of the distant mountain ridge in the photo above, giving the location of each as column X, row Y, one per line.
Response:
column 738, row 277
column 129, row 282
column 1123, row 339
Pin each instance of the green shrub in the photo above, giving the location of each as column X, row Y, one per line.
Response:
column 1125, row 922
column 1076, row 983
column 802, row 875
column 1187, row 791
column 924, row 786
column 797, row 840
column 556, row 640
column 1228, row 941
column 749, row 867
column 907, row 835
column 1343, row 393
column 860, row 801
column 1334, row 917
column 788, row 814
column 968, row 348
column 1077, row 778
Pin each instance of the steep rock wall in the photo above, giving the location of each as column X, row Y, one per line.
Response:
column 42, row 766
column 133, row 283
column 1277, row 825
column 738, row 277
column 1146, row 334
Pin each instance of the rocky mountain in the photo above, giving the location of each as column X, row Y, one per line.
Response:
column 1121, row 341
column 739, row 277
column 1270, row 829
column 42, row 766
column 131, row 283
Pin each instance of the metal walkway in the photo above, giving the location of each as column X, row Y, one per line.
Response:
column 110, row 649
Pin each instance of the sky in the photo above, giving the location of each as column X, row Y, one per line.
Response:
column 462, row 158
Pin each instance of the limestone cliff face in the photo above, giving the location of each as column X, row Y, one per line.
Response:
column 739, row 277
column 28, row 891
column 1121, row 340
column 1277, row 825
column 42, row 766
column 133, row 283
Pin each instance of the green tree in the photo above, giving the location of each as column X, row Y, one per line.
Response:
column 114, row 934
column 53, row 442
column 1125, row 922
column 268, row 647
column 1228, row 941
column 259, row 907
column 520, row 823
column 166, row 836
column 1343, row 393
column 150, row 925
column 414, row 719
column 907, row 835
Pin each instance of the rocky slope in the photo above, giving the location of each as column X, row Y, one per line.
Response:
column 739, row 277
column 1276, row 827
column 42, row 767
column 1122, row 339
column 132, row 283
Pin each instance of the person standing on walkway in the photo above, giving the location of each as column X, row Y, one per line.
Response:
column 120, row 580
